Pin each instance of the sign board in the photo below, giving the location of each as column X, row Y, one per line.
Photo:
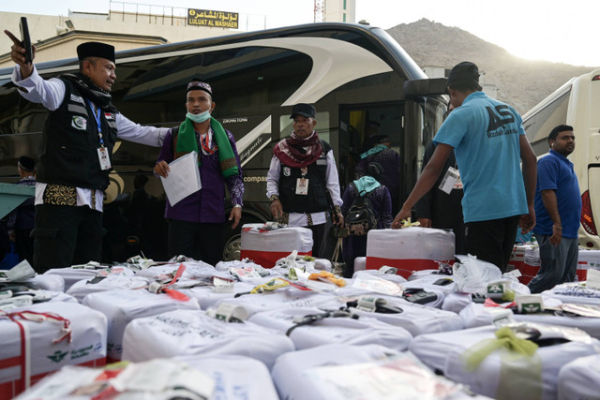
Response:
column 212, row 18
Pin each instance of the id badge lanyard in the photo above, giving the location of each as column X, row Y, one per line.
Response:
column 103, row 156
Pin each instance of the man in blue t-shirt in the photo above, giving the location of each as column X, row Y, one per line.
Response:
column 489, row 141
column 558, row 208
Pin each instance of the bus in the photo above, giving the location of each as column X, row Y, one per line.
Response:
column 575, row 103
column 358, row 77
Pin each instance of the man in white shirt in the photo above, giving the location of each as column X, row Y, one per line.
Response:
column 79, row 135
column 303, row 183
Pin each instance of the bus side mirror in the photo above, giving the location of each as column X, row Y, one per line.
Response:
column 425, row 87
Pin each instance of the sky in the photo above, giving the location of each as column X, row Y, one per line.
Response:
column 550, row 30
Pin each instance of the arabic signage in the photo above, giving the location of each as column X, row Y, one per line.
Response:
column 212, row 18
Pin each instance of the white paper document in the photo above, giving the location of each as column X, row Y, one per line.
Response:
column 183, row 178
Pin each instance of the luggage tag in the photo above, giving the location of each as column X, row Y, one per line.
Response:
column 530, row 304
column 228, row 312
column 593, row 279
column 104, row 158
column 222, row 285
column 387, row 270
column 497, row 289
column 302, row 186
column 16, row 302
column 378, row 285
column 450, row 180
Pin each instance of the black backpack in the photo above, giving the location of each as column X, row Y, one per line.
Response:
column 360, row 217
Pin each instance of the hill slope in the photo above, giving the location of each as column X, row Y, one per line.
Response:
column 521, row 83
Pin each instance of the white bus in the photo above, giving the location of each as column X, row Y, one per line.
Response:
column 357, row 76
column 576, row 103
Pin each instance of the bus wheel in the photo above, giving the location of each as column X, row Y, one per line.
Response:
column 233, row 238
column 233, row 246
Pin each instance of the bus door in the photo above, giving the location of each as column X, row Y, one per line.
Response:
column 359, row 127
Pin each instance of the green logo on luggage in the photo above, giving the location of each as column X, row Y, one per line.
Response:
column 58, row 356
column 532, row 308
column 495, row 288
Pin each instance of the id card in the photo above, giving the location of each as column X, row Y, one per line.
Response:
column 103, row 158
column 302, row 186
column 450, row 180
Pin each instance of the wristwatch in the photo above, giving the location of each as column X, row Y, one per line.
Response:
column 273, row 198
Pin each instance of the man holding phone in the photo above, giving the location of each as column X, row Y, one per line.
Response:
column 79, row 135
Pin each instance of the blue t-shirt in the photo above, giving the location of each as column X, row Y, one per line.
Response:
column 485, row 135
column 556, row 173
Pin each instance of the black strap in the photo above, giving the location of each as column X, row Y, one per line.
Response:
column 312, row 318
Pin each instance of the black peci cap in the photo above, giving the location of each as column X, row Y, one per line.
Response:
column 196, row 84
column 96, row 49
column 306, row 110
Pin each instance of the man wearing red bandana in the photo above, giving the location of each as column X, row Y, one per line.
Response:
column 303, row 183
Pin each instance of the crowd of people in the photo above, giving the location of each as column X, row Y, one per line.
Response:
column 480, row 176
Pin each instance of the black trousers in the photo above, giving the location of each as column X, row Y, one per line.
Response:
column 492, row 240
column 24, row 244
column 66, row 235
column 199, row 241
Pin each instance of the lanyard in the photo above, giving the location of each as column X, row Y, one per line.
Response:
column 98, row 121
column 205, row 142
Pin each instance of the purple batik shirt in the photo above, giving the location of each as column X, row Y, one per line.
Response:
column 208, row 204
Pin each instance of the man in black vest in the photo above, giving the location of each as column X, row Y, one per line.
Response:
column 79, row 135
column 303, row 183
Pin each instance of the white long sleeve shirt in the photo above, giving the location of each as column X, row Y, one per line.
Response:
column 51, row 93
column 333, row 186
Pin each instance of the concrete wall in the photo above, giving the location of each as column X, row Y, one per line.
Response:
column 335, row 11
column 43, row 27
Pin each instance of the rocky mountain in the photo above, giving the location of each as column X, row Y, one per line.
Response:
column 521, row 83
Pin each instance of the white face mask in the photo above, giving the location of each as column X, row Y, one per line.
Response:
column 203, row 116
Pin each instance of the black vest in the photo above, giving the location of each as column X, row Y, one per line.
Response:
column 316, row 199
column 69, row 155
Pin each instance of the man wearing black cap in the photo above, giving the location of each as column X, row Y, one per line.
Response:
column 20, row 221
column 79, row 135
column 489, row 142
column 302, row 182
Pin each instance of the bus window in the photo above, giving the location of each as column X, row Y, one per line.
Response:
column 539, row 124
column 360, row 125
column 286, row 126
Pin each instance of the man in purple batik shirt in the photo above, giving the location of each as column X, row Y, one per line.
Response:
column 196, row 223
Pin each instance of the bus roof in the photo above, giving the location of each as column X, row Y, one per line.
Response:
column 374, row 39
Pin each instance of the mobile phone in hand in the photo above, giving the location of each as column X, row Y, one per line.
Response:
column 25, row 40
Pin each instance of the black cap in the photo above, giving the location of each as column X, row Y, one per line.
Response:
column 96, row 49
column 306, row 110
column 26, row 163
column 464, row 74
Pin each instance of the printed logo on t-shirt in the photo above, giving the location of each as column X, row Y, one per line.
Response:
column 79, row 123
column 500, row 118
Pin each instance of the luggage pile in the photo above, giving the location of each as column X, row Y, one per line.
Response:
column 295, row 330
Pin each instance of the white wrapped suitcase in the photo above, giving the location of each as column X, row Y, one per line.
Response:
column 84, row 287
column 580, row 379
column 185, row 332
column 444, row 352
column 122, row 306
column 417, row 319
column 332, row 330
column 72, row 275
column 341, row 372
column 265, row 247
column 235, row 377
column 410, row 249
column 47, row 344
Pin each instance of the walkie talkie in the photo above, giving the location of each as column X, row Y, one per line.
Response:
column 26, row 40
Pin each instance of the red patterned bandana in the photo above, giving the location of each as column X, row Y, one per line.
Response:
column 298, row 153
